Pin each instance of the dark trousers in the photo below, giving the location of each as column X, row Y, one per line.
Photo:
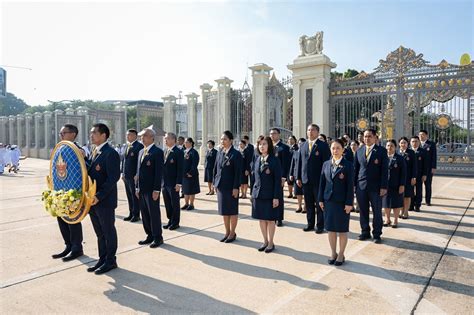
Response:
column 367, row 199
column 171, row 198
column 133, row 203
column 103, row 221
column 151, row 216
column 72, row 235
column 416, row 199
column 428, row 183
column 313, row 211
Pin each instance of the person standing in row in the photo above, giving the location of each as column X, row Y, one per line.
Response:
column 104, row 169
column 397, row 173
column 336, row 196
column 180, row 145
column 148, row 189
column 71, row 233
column 246, row 161
column 266, row 192
column 129, row 171
column 249, row 155
column 172, row 181
column 227, row 173
column 191, row 174
column 347, row 153
column 290, row 181
column 371, row 182
column 255, row 156
column 211, row 155
column 297, row 190
column 282, row 152
column 312, row 154
column 422, row 167
column 431, row 159
column 410, row 160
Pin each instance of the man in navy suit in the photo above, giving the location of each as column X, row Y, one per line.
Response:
column 172, row 180
column 129, row 171
column 71, row 233
column 371, row 182
column 311, row 156
column 422, row 165
column 104, row 169
column 282, row 152
column 149, row 187
column 431, row 159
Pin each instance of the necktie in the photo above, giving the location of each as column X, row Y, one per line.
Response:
column 94, row 154
column 128, row 148
column 310, row 146
column 144, row 153
column 367, row 152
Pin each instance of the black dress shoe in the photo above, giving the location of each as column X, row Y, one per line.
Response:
column 332, row 261
column 428, row 204
column 262, row 248
column 190, row 207
column 105, row 268
column 279, row 223
column 319, row 231
column 417, row 209
column 95, row 267
column 73, row 255
column 230, row 240
column 340, row 263
column 61, row 254
column 166, row 225
column 308, row 229
column 208, row 193
column 184, row 207
column 145, row 241
column 224, row 239
column 377, row 240
column 156, row 244
column 298, row 210
column 363, row 237
column 173, row 227
column 294, row 197
column 135, row 219
column 269, row 249
column 128, row 218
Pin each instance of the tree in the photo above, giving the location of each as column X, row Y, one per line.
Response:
column 350, row 73
column 11, row 105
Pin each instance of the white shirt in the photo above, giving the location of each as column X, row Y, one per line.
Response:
column 336, row 162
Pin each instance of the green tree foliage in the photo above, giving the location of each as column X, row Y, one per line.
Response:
column 350, row 73
column 11, row 105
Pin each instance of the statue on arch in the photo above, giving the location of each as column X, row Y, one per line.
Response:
column 311, row 45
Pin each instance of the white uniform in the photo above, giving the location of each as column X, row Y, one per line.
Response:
column 3, row 152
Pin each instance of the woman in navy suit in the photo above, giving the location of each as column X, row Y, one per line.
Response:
column 410, row 160
column 397, row 173
column 244, row 179
column 266, row 192
column 227, row 173
column 191, row 174
column 336, row 196
column 209, row 165
column 298, row 191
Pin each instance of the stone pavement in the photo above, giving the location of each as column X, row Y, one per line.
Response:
column 424, row 266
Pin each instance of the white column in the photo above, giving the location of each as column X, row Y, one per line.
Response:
column 260, row 78
column 47, row 115
column 69, row 111
column 28, row 119
column 20, row 119
column 192, row 118
column 3, row 129
column 37, row 133
column 82, row 137
column 169, row 117
column 311, row 72
column 11, row 129
column 223, row 104
column 205, row 90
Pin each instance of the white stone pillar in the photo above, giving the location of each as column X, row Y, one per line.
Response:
column 20, row 119
column 11, row 129
column 28, row 119
column 260, row 78
column 3, row 129
column 82, row 137
column 47, row 115
column 192, row 118
column 223, row 104
column 37, row 133
column 311, row 74
column 205, row 90
column 169, row 117
column 69, row 111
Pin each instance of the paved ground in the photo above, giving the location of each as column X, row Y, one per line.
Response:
column 425, row 266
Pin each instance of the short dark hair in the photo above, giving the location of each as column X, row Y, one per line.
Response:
column 415, row 137
column 314, row 126
column 102, row 128
column 212, row 142
column 372, row 131
column 228, row 134
column 270, row 145
column 343, row 140
column 324, row 137
column 337, row 140
column 189, row 139
column 403, row 138
column 293, row 137
column 133, row 131
column 301, row 140
column 275, row 129
column 181, row 138
column 356, row 142
column 393, row 141
column 424, row 131
column 243, row 142
column 246, row 138
column 72, row 128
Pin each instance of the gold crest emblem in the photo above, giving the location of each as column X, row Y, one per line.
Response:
column 376, row 161
column 341, row 176
column 61, row 168
column 97, row 168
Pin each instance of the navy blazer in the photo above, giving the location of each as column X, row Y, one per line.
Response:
column 105, row 171
column 338, row 186
column 371, row 175
column 267, row 179
column 310, row 164
column 397, row 171
column 130, row 160
column 282, row 152
column 294, row 163
column 410, row 160
column 248, row 158
column 431, row 154
column 191, row 162
column 151, row 170
column 173, row 168
column 422, row 165
column 228, row 170
column 348, row 154
column 210, row 159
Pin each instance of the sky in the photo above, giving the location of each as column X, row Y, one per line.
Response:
column 110, row 50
